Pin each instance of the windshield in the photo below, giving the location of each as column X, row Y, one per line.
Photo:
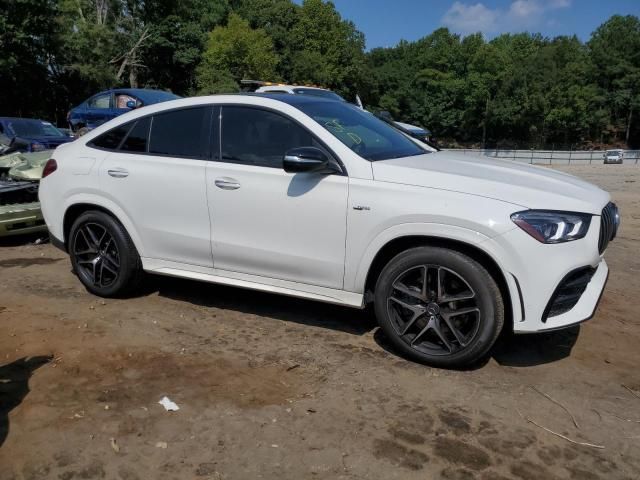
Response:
column 363, row 133
column 319, row 93
column 34, row 128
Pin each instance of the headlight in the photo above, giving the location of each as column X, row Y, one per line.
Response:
column 37, row 147
column 548, row 226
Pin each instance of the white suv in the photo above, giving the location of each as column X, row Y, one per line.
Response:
column 317, row 199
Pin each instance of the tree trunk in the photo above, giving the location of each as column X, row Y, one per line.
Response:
column 629, row 124
column 133, row 77
column 484, row 124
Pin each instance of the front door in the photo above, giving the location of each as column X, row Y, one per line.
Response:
column 267, row 222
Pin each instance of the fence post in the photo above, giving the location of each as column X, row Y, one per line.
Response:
column 551, row 157
column 570, row 154
column 591, row 158
column 531, row 161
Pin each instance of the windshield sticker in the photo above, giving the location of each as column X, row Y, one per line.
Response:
column 334, row 125
column 355, row 138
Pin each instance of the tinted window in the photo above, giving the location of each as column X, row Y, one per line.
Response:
column 366, row 135
column 100, row 101
column 137, row 139
column 180, row 133
column 259, row 137
column 315, row 92
column 111, row 139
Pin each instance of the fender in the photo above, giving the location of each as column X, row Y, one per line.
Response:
column 111, row 206
column 355, row 278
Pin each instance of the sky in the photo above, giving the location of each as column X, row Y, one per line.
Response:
column 386, row 22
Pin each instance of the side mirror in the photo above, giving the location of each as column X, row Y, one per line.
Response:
column 131, row 104
column 306, row 159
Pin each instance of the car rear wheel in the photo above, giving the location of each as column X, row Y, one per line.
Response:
column 439, row 306
column 103, row 255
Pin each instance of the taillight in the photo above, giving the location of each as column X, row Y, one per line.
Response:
column 49, row 167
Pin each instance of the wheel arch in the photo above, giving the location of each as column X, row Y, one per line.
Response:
column 74, row 210
column 399, row 244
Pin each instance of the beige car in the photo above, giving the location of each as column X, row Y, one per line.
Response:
column 20, row 174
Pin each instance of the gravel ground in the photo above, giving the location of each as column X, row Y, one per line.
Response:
column 272, row 387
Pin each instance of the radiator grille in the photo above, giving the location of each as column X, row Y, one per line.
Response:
column 608, row 226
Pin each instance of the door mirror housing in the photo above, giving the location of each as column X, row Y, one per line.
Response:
column 307, row 159
column 131, row 104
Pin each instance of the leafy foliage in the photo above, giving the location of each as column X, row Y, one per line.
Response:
column 515, row 89
column 234, row 52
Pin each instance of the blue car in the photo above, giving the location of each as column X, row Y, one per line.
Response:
column 109, row 104
column 37, row 135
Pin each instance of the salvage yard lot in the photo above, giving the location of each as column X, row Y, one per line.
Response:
column 274, row 387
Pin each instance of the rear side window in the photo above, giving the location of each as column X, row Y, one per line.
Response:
column 258, row 137
column 111, row 139
column 100, row 101
column 181, row 133
column 137, row 139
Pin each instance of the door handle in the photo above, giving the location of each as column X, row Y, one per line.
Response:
column 227, row 183
column 118, row 172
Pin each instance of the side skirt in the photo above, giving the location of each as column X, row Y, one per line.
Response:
column 253, row 282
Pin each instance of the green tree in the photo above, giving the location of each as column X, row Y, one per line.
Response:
column 27, row 31
column 325, row 49
column 615, row 52
column 234, row 52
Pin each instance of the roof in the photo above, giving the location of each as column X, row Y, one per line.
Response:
column 292, row 100
column 146, row 94
column 23, row 118
column 275, row 86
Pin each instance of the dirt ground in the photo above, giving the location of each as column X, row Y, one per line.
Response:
column 276, row 388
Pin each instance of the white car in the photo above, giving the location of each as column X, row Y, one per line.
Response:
column 613, row 156
column 317, row 199
column 268, row 87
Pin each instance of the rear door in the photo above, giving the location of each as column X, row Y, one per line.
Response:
column 157, row 176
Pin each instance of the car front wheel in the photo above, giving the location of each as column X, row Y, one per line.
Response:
column 439, row 306
column 103, row 255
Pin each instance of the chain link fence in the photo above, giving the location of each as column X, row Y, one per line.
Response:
column 549, row 157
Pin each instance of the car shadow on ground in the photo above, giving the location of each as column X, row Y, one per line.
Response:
column 14, row 386
column 24, row 239
column 536, row 348
column 281, row 307
column 510, row 350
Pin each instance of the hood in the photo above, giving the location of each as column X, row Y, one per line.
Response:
column 521, row 184
column 50, row 141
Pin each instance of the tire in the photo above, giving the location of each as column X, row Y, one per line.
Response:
column 451, row 323
column 103, row 255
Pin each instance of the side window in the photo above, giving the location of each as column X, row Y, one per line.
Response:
column 137, row 139
column 258, row 137
column 100, row 101
column 111, row 140
column 123, row 98
column 181, row 133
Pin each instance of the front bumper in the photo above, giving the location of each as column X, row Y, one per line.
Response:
column 583, row 310
column 535, row 271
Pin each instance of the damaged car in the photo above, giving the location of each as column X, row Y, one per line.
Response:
column 20, row 175
column 37, row 135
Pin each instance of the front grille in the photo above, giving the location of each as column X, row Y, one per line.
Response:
column 608, row 226
column 568, row 292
